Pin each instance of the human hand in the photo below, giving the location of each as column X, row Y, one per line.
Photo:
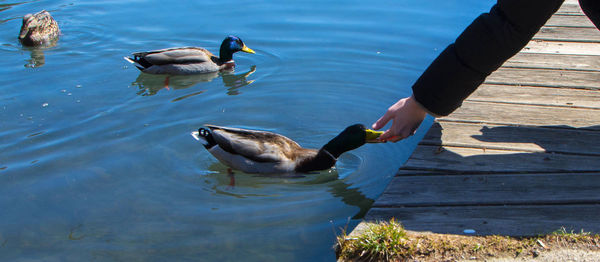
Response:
column 406, row 115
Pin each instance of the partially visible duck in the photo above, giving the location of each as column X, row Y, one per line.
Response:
column 189, row 60
column 39, row 29
column 254, row 151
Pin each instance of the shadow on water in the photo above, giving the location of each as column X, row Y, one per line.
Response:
column 229, row 182
column 149, row 84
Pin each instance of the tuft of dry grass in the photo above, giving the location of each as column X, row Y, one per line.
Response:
column 381, row 241
column 389, row 241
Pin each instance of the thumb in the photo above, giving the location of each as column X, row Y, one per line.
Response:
column 387, row 134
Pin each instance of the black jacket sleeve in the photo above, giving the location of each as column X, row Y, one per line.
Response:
column 490, row 40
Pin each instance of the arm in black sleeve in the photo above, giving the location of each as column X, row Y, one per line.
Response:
column 484, row 46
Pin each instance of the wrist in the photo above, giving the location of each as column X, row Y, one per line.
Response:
column 419, row 107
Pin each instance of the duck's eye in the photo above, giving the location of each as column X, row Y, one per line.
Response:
column 234, row 45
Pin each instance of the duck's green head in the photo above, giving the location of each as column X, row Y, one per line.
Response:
column 351, row 138
column 230, row 45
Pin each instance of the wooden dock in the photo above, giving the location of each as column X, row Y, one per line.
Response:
column 521, row 157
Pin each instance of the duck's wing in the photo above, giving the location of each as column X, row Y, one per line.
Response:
column 259, row 146
column 178, row 55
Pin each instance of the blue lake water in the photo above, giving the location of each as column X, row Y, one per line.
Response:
column 97, row 162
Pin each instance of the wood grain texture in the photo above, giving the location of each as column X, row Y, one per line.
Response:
column 565, row 48
column 469, row 160
column 526, row 115
column 488, row 220
column 570, row 8
column 527, row 95
column 567, row 34
column 499, row 189
column 545, row 77
column 559, row 20
column 547, row 139
column 554, row 61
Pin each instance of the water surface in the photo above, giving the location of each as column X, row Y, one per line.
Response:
column 96, row 160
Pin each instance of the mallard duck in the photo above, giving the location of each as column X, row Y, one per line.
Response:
column 38, row 29
column 189, row 60
column 254, row 151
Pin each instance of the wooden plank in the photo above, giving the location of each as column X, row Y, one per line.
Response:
column 551, row 33
column 527, row 95
column 525, row 139
column 466, row 160
column 525, row 115
column 501, row 189
column 566, row 48
column 491, row 220
column 544, row 77
column 569, row 9
column 570, row 21
column 554, row 61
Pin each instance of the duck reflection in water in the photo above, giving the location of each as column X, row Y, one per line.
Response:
column 226, row 182
column 149, row 84
column 37, row 57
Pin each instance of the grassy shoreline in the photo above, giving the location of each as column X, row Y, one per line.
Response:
column 389, row 241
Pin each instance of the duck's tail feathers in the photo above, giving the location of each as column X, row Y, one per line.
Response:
column 134, row 62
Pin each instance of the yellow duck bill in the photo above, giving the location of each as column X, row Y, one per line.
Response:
column 372, row 136
column 247, row 50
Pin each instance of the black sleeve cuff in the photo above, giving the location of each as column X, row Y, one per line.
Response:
column 446, row 83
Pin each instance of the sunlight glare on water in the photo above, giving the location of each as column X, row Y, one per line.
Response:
column 96, row 160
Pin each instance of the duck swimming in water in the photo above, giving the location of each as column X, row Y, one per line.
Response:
column 189, row 60
column 39, row 29
column 254, row 151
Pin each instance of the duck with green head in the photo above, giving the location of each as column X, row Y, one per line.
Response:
column 254, row 151
column 189, row 60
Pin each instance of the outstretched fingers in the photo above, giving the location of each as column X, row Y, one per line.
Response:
column 406, row 116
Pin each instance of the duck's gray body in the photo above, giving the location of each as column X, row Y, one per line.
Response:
column 178, row 61
column 254, row 151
